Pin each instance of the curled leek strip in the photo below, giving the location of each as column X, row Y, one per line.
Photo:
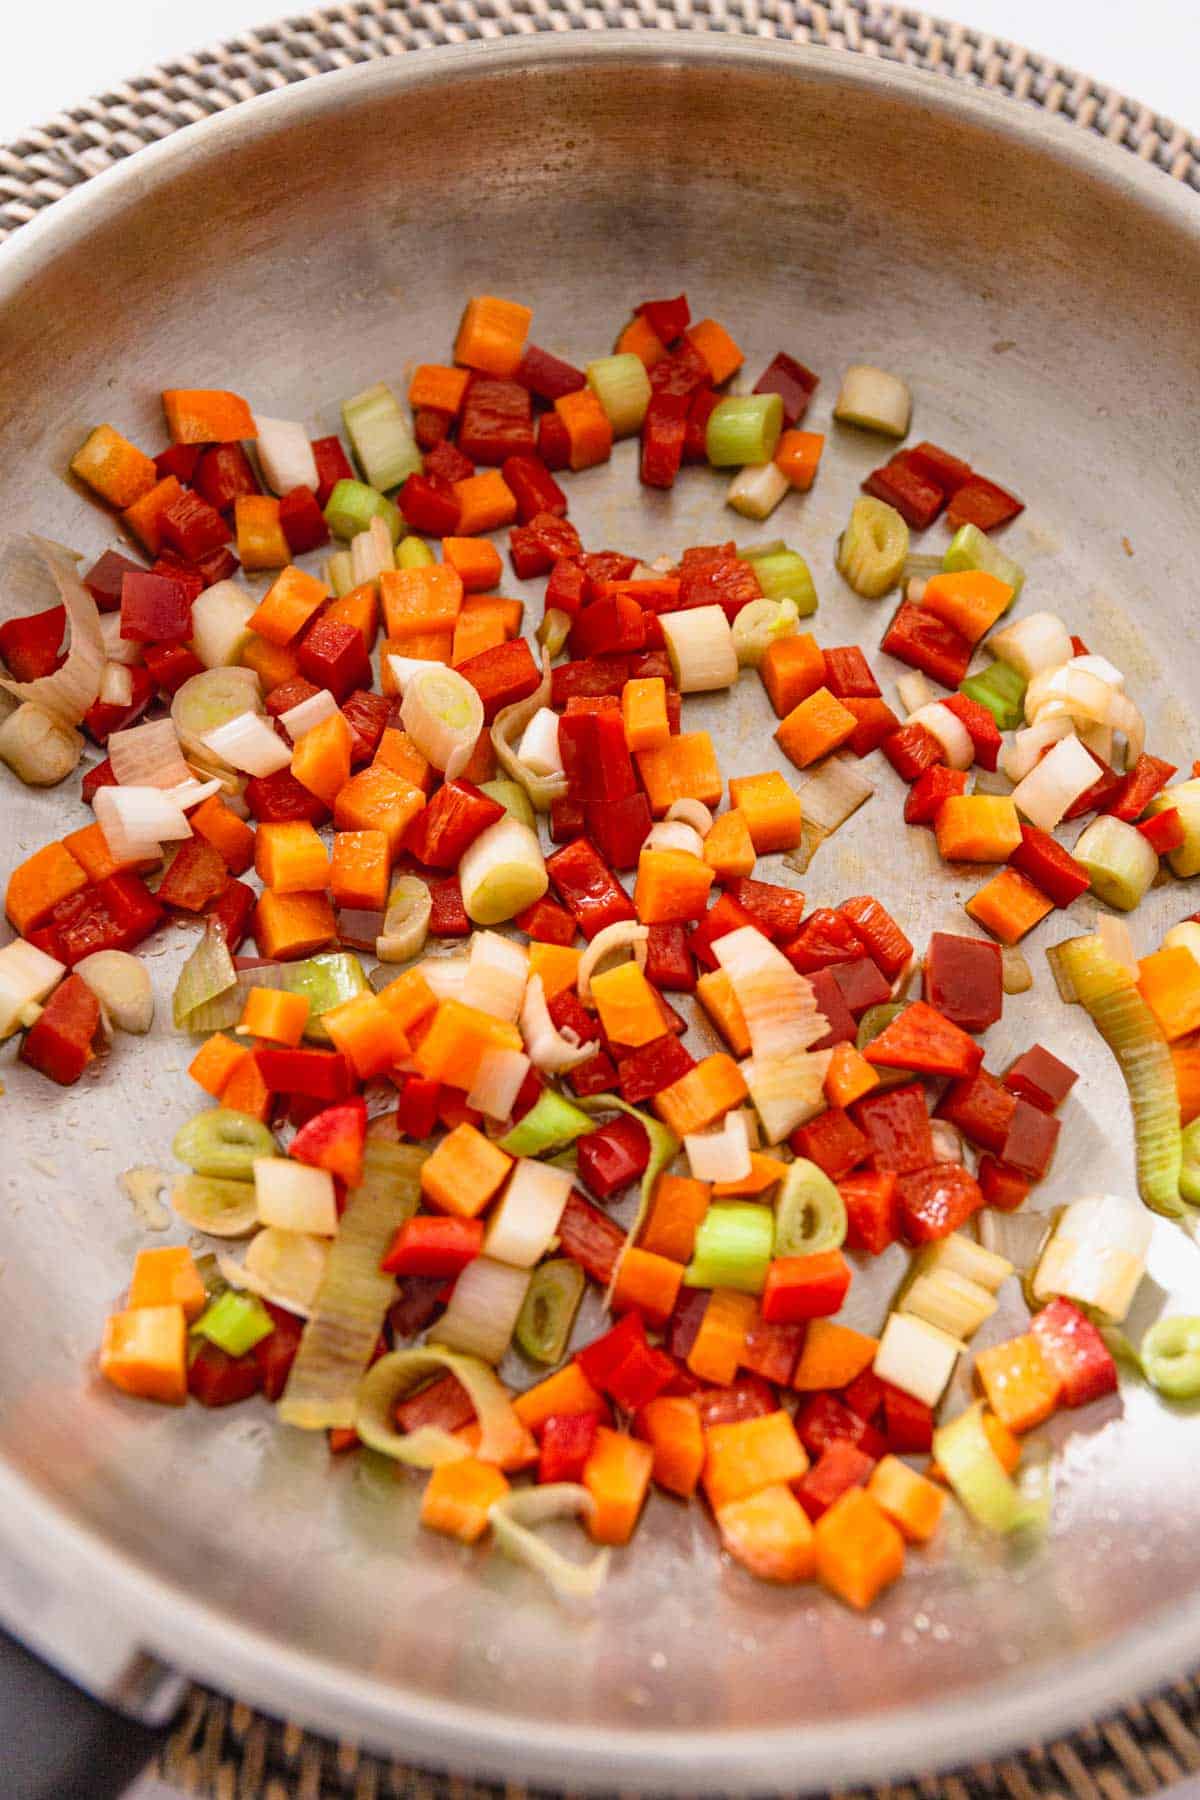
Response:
column 389, row 1380
column 512, row 1519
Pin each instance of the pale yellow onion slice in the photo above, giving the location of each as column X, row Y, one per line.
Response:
column 443, row 715
column 673, row 834
column 779, row 1004
column 828, row 798
column 513, row 1518
column 116, row 685
column 209, row 700
column 507, row 729
column 548, row 1048
column 497, row 971
column 285, row 1267
column 406, row 921
column 393, row 1377
column 121, row 983
column 148, row 756
column 28, row 568
column 786, row 1090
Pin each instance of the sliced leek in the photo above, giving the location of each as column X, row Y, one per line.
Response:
column 873, row 548
column 393, row 1377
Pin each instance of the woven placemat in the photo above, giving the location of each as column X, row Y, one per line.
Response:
column 223, row 1748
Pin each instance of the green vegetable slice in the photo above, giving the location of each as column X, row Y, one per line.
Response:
column 221, row 1208
column 207, row 974
column 223, row 1143
column 393, row 1377
column 1170, row 1357
column 1189, row 1175
column 548, row 1312
column 551, row 1122
column 1001, row 690
column 976, row 1474
column 234, row 1323
column 734, row 1244
column 326, row 981
column 810, row 1214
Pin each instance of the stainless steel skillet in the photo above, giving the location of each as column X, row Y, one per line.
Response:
column 1041, row 293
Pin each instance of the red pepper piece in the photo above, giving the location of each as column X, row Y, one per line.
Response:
column 907, row 1421
column 233, row 910
column 685, row 1322
column 927, row 643
column 431, row 427
column 547, row 376
column 546, row 923
column 1040, row 1078
column 302, row 521
column 154, row 609
column 448, row 917
column 1103, row 790
column 564, row 590
column 981, row 502
column 496, row 421
column 528, row 1095
column 620, row 828
column 1076, row 1352
column 429, row 503
column 982, row 728
column 864, row 1396
column 448, row 463
column 595, row 755
column 778, row 911
column 912, row 750
column 602, row 566
column 897, row 1127
column 588, row 888
column 170, row 665
column 794, row 384
column 922, row 1039
column 568, row 1013
column 938, row 466
column 367, row 715
column 188, row 575
column 1003, row 1188
column 900, row 485
column 669, row 962
column 279, row 799
column 964, row 980
column 419, row 1303
column 178, row 460
column 218, row 565
column 862, row 984
column 841, row 1466
column 833, row 1141
column 450, row 823
column 596, row 1076
column 119, row 912
column 848, row 674
column 59, row 1043
column 682, row 372
column 276, row 1354
column 191, row 527
column 288, row 694
column 936, row 1201
column 695, row 437
column 103, row 581
column 724, row 581
column 534, row 488
column 1030, row 1140
column 612, row 1156
column 223, row 475
column 590, row 679
column 1147, row 777
column 824, row 938
column 196, row 878
column 648, row 1070
column 872, row 1214
column 981, row 1108
column 320, row 1074
column 667, row 319
column 417, row 1106
column 553, row 441
column 613, row 626
column 332, row 1138
column 929, row 790
column 826, row 1420
column 1164, row 832
column 217, row 1379
column 443, row 1404
column 876, row 722
column 772, row 1351
column 333, row 465
column 749, row 1398
column 335, row 657
column 568, row 1439
column 805, row 1287
column 502, row 676
column 601, row 1359
column 664, row 432
column 539, row 546
column 31, row 645
column 641, row 1377
column 1049, row 866
column 722, row 917
column 878, row 933
column 434, row 1246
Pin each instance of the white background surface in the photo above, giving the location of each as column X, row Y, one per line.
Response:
column 57, row 52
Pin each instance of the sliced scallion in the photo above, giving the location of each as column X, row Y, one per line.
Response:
column 382, row 438
column 976, row 1473
column 1170, row 1357
column 810, row 1214
column 756, row 491
column 513, row 798
column 743, row 428
column 971, row 548
column 353, row 504
column 550, row 1123
column 339, row 573
column 784, row 575
column 734, row 1245
column 554, row 631
column 207, row 973
column 1121, row 862
column 234, row 1323
column 622, row 386
column 873, row 548
column 223, row 1142
column 1001, row 689
column 326, row 980
column 414, row 553
column 548, row 1312
column 758, row 625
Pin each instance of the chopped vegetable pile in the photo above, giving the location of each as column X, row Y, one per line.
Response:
column 423, row 1157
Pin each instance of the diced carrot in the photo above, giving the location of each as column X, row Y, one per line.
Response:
column 360, row 608
column 368, row 1034
column 288, row 605
column 486, row 503
column 491, row 334
column 977, row 828
column 144, row 1352
column 765, row 1173
column 509, row 612
column 644, row 713
column 770, row 808
column 358, row 870
column 911, row 1501
column 420, row 600
column 475, row 632
column 144, row 517
column 457, row 1039
column 616, row 1475
column 272, row 663
column 671, row 888
column 215, row 1061
column 970, row 601
column 432, row 385
column 464, row 1173
column 261, row 543
column 1021, row 1387
column 1008, row 906
column 770, row 1534
column 832, row 1356
column 290, row 925
column 36, row 886
column 521, row 1454
column 627, row 1004
column 565, row 1392
column 477, row 563
column 648, row 1284
column 321, row 758
column 290, row 858
column 409, row 997
column 558, row 966
column 1169, row 982
column 246, row 1091
column 457, row 1497
column 398, row 753
column 703, row 1096
column 750, row 1454
column 275, row 1015
column 207, row 416
column 220, row 826
column 717, row 348
column 815, row 728
column 684, row 769
column 849, row 1076
column 1186, row 1058
column 376, row 799
column 91, row 851
column 168, row 1277
column 677, row 1206
column 589, row 432
column 671, row 1426
column 114, row 468
column 717, row 1348
column 792, row 669
column 729, row 848
column 798, row 455
column 640, row 339
column 859, row 1550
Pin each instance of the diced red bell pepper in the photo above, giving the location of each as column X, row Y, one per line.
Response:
column 30, row 646
column 588, row 888
column 537, row 546
column 669, row 962
column 655, row 1066
column 848, row 674
column 772, row 1351
column 448, row 917
column 59, row 1043
column 595, row 756
column 170, row 665
column 872, row 1216
column 534, row 489
column 224, row 475
column 431, row 426
column 794, row 384
column 928, row 791
column 640, row 1377
column 778, row 911
column 685, row 1322
column 922, row 1039
column 596, row 1076
column 214, row 566
column 897, row 1127
column 912, row 751
column 568, row 1013
column 864, row 1396
column 564, row 590
column 907, row 1422
column 448, row 463
column 546, row 923
column 553, row 441
column 936, row 1201
column 724, row 581
column 983, row 503
column 191, row 527
column 695, row 437
column 1044, row 861
column 549, row 377
column 103, row 581
column 1149, row 775
column 367, row 715
column 1098, row 797
column 1030, row 1141
column 276, row 1354
column 417, row 1306
column 601, row 1359
column 178, row 460
column 197, row 877
column 825, row 1420
column 612, row 626
column 682, row 372
column 831, row 1002
column 722, row 917
column 1076, row 1352
column 664, row 431
column 980, row 1107
column 833, row 1141
column 217, row 1379
column 429, row 503
column 528, row 1094
column 1040, row 1078
column 876, row 722
column 805, row 1287
column 590, row 1238
column 926, row 642
column 862, row 984
column 938, row 466
column 302, row 521
column 496, row 421
column 154, row 609
column 1002, row 1188
column 335, row 657
column 1164, row 831
column 841, row 1466
column 667, row 319
column 321, row 1074
column 417, row 1107
column 964, row 980
column 589, row 679
column 981, row 725
column 502, row 676
column 620, row 828
column 451, row 822
column 612, row 1156
column 443, row 1404
column 748, row 1398
column 232, row 912
column 898, row 484
column 280, row 799
column 878, row 933
column 114, row 914
column 333, row 1138
column 333, row 465
column 825, row 937
column 568, row 1439
column 188, row 575
column 434, row 1246
column 453, row 1110
column 102, row 719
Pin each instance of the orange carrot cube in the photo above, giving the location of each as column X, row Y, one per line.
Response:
column 359, row 869
column 220, row 826
column 272, row 663
column 911, row 1501
column 1021, row 1387
column 671, row 888
column 833, row 1355
column 717, row 348
column 644, row 713
column 207, row 416
column 144, row 1352
column 420, row 600
column 750, row 1454
column 215, row 1062
column 491, row 334
column 627, row 1004
column 1008, row 906
column 486, row 503
column 558, row 966
column 457, row 1040
column 275, row 1015
column 288, row 605
column 770, row 808
column 798, row 456
column 671, row 1426
column 321, row 758
column 114, row 468
column 409, row 997
column 457, row 1498
column 434, row 386
column 716, row 1352
column 464, row 1173
column 377, row 800
column 290, row 858
column 36, row 886
column 703, row 1096
column 815, row 728
column 287, row 926
column 246, row 1091
column 144, row 517
column 168, row 1277
column 398, row 753
column 729, row 848
column 792, row 669
column 1169, row 982
column 977, row 828
column 476, row 563
column 617, row 1476
column 684, row 769
column 648, row 1284
column 589, row 430
column 770, row 1534
column 261, row 543
column 859, row 1551
column 368, row 1034
column 849, row 1076
column 565, row 1392
column 714, row 990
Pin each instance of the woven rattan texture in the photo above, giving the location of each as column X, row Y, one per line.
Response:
column 224, row 1749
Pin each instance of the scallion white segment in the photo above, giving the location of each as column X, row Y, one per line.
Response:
column 1121, row 862
column 483, row 1309
column 381, row 437
column 1055, row 783
column 950, row 1302
column 249, row 743
column 221, row 624
column 117, row 648
column 406, row 921
column 539, row 748
column 443, row 715
column 1097, row 1255
column 27, row 976
column 622, row 386
column 498, row 1081
column 40, row 748
column 916, row 1357
column 958, row 1253
column 524, row 1224
column 285, row 455
column 291, row 1196
column 116, row 684
column 756, row 490
column 502, row 872
column 700, row 645
column 874, row 399
column 1028, row 746
column 757, row 626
